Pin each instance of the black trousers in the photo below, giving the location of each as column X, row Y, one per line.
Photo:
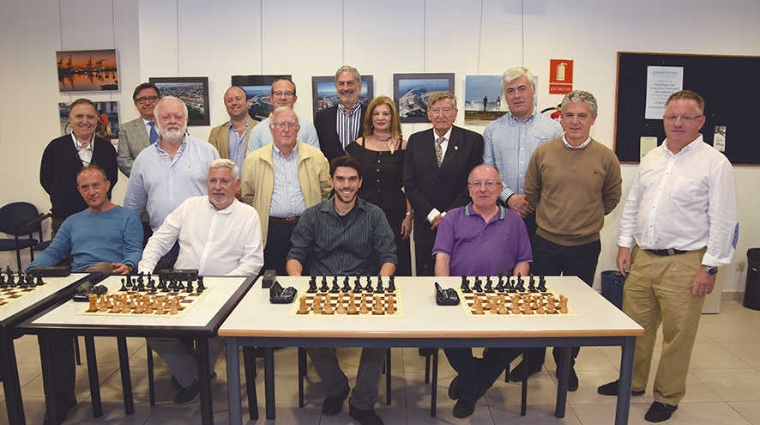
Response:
column 477, row 375
column 278, row 246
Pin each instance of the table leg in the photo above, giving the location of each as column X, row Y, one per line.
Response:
column 47, row 352
column 9, row 373
column 126, row 378
column 434, row 384
column 564, row 376
column 626, row 377
column 269, row 381
column 249, row 362
column 92, row 373
column 204, row 380
column 233, row 382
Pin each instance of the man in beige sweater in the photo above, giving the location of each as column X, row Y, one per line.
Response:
column 571, row 182
column 281, row 180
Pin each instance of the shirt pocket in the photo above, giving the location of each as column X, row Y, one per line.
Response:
column 685, row 190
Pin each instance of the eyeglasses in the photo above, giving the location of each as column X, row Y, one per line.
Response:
column 282, row 124
column 436, row 111
column 283, row 93
column 489, row 184
column 146, row 99
column 684, row 118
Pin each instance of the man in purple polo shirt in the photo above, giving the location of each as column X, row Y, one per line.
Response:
column 480, row 239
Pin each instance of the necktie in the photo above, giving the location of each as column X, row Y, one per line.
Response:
column 439, row 150
column 153, row 133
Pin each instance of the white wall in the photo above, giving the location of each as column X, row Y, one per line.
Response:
column 164, row 38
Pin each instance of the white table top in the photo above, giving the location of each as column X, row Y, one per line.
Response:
column 593, row 316
column 50, row 287
column 219, row 291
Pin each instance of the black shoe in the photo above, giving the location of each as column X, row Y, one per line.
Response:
column 188, row 394
column 425, row 351
column 612, row 388
column 464, row 408
column 523, row 371
column 364, row 417
column 63, row 412
column 175, row 383
column 572, row 380
column 659, row 412
column 454, row 388
column 333, row 405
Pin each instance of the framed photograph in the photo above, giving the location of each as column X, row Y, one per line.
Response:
column 258, row 91
column 325, row 95
column 192, row 90
column 483, row 96
column 87, row 70
column 108, row 119
column 411, row 92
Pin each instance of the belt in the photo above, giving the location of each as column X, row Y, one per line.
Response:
column 665, row 252
column 293, row 220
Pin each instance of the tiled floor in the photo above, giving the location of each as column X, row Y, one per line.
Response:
column 723, row 386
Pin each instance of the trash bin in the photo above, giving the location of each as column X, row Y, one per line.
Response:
column 612, row 287
column 752, row 287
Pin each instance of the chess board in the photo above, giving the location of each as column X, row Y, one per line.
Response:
column 9, row 294
column 385, row 304
column 174, row 304
column 501, row 303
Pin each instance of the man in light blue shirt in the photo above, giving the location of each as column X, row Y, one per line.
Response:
column 170, row 171
column 511, row 140
column 283, row 94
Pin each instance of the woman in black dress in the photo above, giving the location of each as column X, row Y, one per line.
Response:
column 381, row 150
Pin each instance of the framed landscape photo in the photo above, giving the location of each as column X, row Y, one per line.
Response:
column 483, row 99
column 258, row 92
column 87, row 70
column 324, row 94
column 411, row 93
column 192, row 90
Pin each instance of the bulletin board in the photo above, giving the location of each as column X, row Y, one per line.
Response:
column 729, row 85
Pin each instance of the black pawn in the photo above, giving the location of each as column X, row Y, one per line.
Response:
column 334, row 289
column 141, row 279
column 162, row 285
column 346, row 286
column 151, row 285
column 369, row 288
column 489, row 285
column 478, row 285
column 11, row 278
column 323, row 286
column 201, row 286
column 392, row 284
column 357, row 285
column 532, row 283
column 500, row 284
column 465, row 285
column 511, row 285
column 380, row 289
column 38, row 281
column 312, row 285
column 542, row 283
column 2, row 281
column 520, row 283
column 123, row 285
column 179, row 286
column 189, row 286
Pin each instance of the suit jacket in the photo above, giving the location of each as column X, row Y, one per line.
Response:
column 133, row 138
column 219, row 137
column 59, row 168
column 444, row 188
column 327, row 131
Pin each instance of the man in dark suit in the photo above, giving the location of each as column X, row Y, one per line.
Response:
column 340, row 125
column 436, row 167
column 66, row 155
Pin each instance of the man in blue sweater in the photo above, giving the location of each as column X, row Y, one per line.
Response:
column 106, row 238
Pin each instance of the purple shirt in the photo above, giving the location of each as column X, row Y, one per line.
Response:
column 478, row 248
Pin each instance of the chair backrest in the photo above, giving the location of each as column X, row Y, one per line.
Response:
column 16, row 213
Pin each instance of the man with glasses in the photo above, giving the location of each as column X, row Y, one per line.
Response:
column 281, row 180
column 138, row 134
column 232, row 138
column 436, row 166
column 679, row 225
column 339, row 125
column 480, row 239
column 283, row 94
column 571, row 182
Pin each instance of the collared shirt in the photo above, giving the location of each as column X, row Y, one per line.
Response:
column 161, row 183
column 287, row 198
column 261, row 134
column 85, row 153
column 446, row 137
column 236, row 143
column 215, row 242
column 480, row 248
column 685, row 201
column 509, row 144
column 331, row 247
column 581, row 146
column 148, row 128
column 348, row 122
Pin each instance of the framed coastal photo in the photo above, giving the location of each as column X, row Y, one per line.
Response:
column 324, row 94
column 87, row 70
column 483, row 99
column 258, row 92
column 192, row 90
column 411, row 93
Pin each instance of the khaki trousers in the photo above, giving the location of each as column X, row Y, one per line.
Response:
column 658, row 290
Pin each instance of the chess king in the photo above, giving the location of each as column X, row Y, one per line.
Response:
column 219, row 236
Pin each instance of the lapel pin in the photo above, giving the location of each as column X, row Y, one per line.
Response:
column 456, row 148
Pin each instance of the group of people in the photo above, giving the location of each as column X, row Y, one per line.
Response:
column 343, row 195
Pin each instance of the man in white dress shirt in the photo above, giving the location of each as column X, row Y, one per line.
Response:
column 679, row 225
column 219, row 236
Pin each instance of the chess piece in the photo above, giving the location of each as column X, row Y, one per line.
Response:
column 542, row 283
column 140, row 307
column 363, row 307
column 563, row 304
column 189, row 287
column 201, row 287
column 390, row 305
column 520, row 287
column 357, row 286
column 151, row 285
column 340, row 308
column 302, row 307
column 500, row 284
column 351, row 304
column 502, row 309
column 477, row 305
column 316, row 304
column 93, row 299
column 30, row 281
column 489, row 287
column 369, row 288
column 392, row 284
column 335, row 288
column 550, row 307
column 11, row 277
column 380, row 289
column 323, row 285
column 377, row 305
column 346, row 286
column 178, row 287
column 174, row 306
column 532, row 283
column 328, row 305
column 141, row 279
column 540, row 306
column 2, row 281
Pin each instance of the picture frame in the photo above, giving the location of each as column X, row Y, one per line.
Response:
column 108, row 120
column 87, row 70
column 483, row 99
column 191, row 90
column 324, row 95
column 258, row 92
column 411, row 91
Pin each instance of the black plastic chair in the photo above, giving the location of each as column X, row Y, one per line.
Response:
column 21, row 219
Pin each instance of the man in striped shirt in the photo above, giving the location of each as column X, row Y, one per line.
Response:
column 340, row 125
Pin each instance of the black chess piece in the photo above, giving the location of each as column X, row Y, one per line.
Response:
column 323, row 286
column 465, row 285
column 140, row 286
column 163, row 286
column 2, row 281
column 11, row 278
column 201, row 287
column 141, row 279
column 500, row 284
column 312, row 285
column 478, row 287
column 123, row 285
column 511, row 285
column 30, row 281
column 369, row 287
column 379, row 289
column 357, row 285
column 334, row 289
column 392, row 284
column 189, row 286
column 520, row 283
column 542, row 283
column 172, row 285
column 346, row 286
column 178, row 286
column 21, row 281
column 532, row 283
column 39, row 281
column 489, row 285
column 151, row 285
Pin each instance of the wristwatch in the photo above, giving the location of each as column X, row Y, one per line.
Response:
column 711, row 270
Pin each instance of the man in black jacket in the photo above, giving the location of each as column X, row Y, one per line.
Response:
column 340, row 125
